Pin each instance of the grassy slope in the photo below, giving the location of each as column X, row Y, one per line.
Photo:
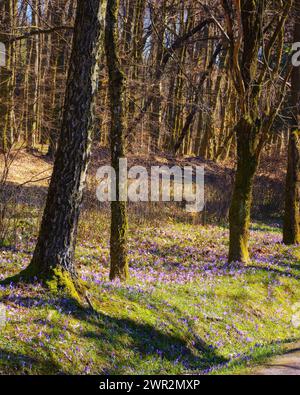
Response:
column 183, row 311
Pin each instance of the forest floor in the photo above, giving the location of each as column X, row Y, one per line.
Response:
column 184, row 310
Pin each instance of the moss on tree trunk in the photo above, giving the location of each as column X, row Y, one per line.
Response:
column 239, row 216
column 118, row 242
column 118, row 238
column 291, row 229
column 53, row 258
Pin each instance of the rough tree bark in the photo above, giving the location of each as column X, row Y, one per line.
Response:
column 53, row 259
column 118, row 238
column 246, row 131
column 291, row 229
column 239, row 215
column 253, row 127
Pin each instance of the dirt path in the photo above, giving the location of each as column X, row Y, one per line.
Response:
column 286, row 364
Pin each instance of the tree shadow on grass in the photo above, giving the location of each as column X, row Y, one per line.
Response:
column 110, row 334
column 148, row 341
column 274, row 270
column 21, row 363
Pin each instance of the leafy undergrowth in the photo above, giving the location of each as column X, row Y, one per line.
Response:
column 184, row 309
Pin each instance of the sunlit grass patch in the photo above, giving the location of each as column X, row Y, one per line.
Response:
column 184, row 309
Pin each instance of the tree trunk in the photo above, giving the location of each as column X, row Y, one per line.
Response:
column 136, row 52
column 118, row 238
column 33, row 82
column 53, row 259
column 57, row 64
column 291, row 230
column 155, row 116
column 291, row 234
column 7, row 76
column 239, row 216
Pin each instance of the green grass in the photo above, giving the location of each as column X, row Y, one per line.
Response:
column 183, row 310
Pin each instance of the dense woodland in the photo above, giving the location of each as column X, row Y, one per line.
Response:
column 210, row 81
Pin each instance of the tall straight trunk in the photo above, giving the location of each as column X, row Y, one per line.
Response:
column 45, row 87
column 225, row 100
column 53, row 257
column 33, row 82
column 7, row 75
column 239, row 215
column 118, row 238
column 198, row 135
column 137, row 48
column 158, row 53
column 129, row 8
column 291, row 229
column 57, row 64
column 175, row 122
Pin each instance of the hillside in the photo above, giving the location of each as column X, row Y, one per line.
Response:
column 235, row 316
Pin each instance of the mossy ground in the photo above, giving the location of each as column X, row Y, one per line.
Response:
column 184, row 310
